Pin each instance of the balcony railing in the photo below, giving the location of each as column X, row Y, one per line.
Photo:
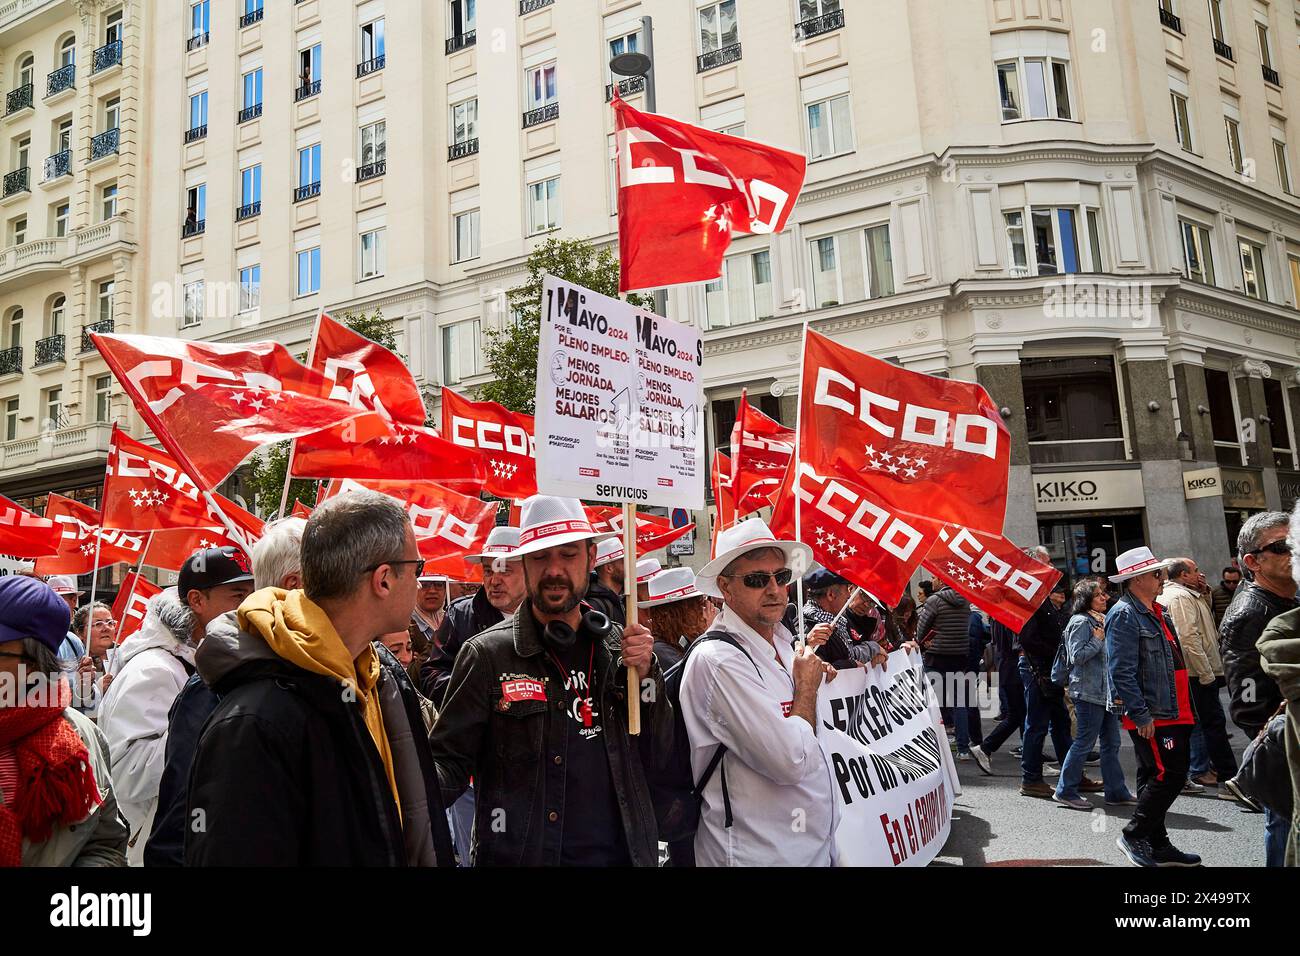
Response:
column 543, row 114
column 306, row 90
column 306, row 192
column 11, row 361
column 110, row 54
column 196, row 41
column 248, row 19
column 1270, row 76
column 372, row 170
column 460, row 42
column 60, row 164
column 1223, row 50
column 462, row 149
column 104, row 326
column 18, row 99
column 18, row 181
column 625, row 87
column 370, row 66
column 49, row 350
column 64, row 78
column 197, row 132
column 193, row 227
column 104, row 144
column 1169, row 20
column 716, row 58
column 250, row 112
column 816, row 26
column 529, row 6
column 248, row 210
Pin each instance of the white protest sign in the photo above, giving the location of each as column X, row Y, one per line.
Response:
column 619, row 414
column 885, row 753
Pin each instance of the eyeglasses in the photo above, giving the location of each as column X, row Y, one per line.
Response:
column 757, row 580
column 109, row 623
column 418, row 562
column 1159, row 575
column 1278, row 547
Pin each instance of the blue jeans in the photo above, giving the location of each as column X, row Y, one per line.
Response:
column 1276, row 830
column 958, row 695
column 1200, row 753
column 1041, row 714
column 460, row 815
column 1093, row 722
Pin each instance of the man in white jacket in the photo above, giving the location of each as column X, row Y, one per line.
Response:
column 153, row 665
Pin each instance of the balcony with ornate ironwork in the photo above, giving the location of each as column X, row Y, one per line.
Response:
column 64, row 78
column 466, row 147
column 1270, row 75
column 193, row 227
column 716, row 58
column 102, row 327
column 196, row 133
column 461, row 41
column 18, row 99
column 1222, row 49
column 18, row 181
column 307, row 191
column 250, row 112
column 372, row 170
column 105, row 144
column 371, row 66
column 60, row 164
column 531, row 6
column 1171, row 21
column 110, row 54
column 625, row 87
column 196, row 41
column 248, row 210
column 306, row 91
column 816, row 26
column 49, row 350
column 11, row 361
column 543, row 114
column 248, row 19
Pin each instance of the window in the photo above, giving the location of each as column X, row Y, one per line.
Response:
column 309, row 65
column 627, row 43
column 372, row 41
column 198, row 109
column 372, row 253
column 464, row 121
column 718, row 26
column 372, row 143
column 1094, row 240
column 1019, row 256
column 103, row 398
column 19, row 230
column 1198, row 259
column 853, row 265
column 1216, row 21
column 253, row 88
column 309, row 165
column 830, row 127
column 52, row 405
column 23, row 152
column 544, row 205
column 465, row 236
column 68, row 52
column 63, row 138
column 199, row 20
column 112, row 113
column 1072, row 410
column 250, row 288
column 106, row 301
column 1233, row 129
column 26, row 71
column 1182, row 121
column 880, row 261
column 250, row 185
column 810, row 9
column 1295, row 279
column 58, row 309
column 61, row 212
column 1223, row 418
column 541, row 86
column 1040, row 83
column 1055, row 243
column 1252, row 269
column 1279, row 433
column 14, row 333
column 196, row 204
column 743, row 293
column 460, row 351
column 11, row 419
column 113, row 28
column 1261, row 31
column 108, row 201
column 1280, row 160
column 462, row 18
column 308, row 278
column 193, row 314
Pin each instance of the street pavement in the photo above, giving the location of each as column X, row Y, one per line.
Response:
column 994, row 826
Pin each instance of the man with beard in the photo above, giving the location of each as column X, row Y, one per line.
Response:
column 536, row 713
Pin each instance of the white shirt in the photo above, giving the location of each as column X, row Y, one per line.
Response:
column 782, row 799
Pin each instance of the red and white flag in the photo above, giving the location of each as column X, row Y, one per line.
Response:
column 503, row 438
column 684, row 190
column 168, row 550
column 300, row 510
column 723, row 498
column 129, row 607
column 447, row 523
column 928, row 447
column 26, row 535
column 652, row 531
column 81, row 528
column 407, row 453
column 213, row 404
column 992, row 573
column 365, row 374
column 762, row 449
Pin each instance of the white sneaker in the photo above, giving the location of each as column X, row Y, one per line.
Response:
column 982, row 759
column 1191, row 786
column 1050, row 771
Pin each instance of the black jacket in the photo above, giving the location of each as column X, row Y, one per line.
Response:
column 286, row 773
column 190, row 711
column 1041, row 636
column 606, row 602
column 946, row 613
column 515, row 750
column 1251, row 609
column 465, row 617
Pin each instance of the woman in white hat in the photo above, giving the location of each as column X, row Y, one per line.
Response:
column 676, row 613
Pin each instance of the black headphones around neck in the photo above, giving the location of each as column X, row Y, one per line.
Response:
column 561, row 636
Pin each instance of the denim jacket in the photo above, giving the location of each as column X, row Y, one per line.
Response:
column 1087, row 658
column 1140, row 663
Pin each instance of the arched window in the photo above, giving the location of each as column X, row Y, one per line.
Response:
column 55, row 321
column 26, row 70
column 68, row 51
column 13, row 330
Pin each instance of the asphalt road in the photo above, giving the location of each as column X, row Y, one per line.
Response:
column 994, row 826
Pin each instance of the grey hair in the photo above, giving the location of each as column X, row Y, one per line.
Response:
column 83, row 613
column 278, row 553
column 174, row 614
column 1039, row 553
column 751, row 554
column 1253, row 529
column 345, row 536
column 1178, row 568
column 1293, row 539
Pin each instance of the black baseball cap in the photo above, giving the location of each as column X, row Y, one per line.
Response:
column 821, row 579
column 212, row 567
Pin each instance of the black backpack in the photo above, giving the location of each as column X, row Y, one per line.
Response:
column 677, row 796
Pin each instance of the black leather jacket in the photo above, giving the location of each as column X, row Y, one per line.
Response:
column 465, row 617
column 606, row 601
column 515, row 750
column 1254, row 694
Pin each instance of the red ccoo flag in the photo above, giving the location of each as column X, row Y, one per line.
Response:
column 26, row 535
column 724, row 499
column 652, row 531
column 409, row 453
column 446, row 523
column 137, row 591
column 81, row 526
column 992, row 573
column 762, row 448
column 503, row 438
column 683, row 191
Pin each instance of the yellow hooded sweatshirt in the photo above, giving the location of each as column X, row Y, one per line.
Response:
column 300, row 632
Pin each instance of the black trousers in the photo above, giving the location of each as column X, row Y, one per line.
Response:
column 1009, row 677
column 1162, row 771
column 1214, row 728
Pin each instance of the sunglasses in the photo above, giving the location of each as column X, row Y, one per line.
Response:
column 757, row 580
column 1278, row 547
column 418, row 562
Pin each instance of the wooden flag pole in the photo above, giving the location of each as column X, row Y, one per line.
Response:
column 629, row 589
column 798, row 505
column 94, row 581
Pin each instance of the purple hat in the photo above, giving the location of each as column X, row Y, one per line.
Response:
column 30, row 608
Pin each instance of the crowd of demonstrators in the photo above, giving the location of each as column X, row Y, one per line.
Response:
column 828, row 601
column 676, row 613
column 944, row 625
column 1221, row 596
column 608, row 577
column 58, row 806
column 1270, row 591
column 1279, row 650
column 1184, row 597
column 315, row 753
column 1085, row 640
column 536, row 711
column 749, row 702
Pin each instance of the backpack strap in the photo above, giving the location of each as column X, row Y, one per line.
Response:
column 718, row 754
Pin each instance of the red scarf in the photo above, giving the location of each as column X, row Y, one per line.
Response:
column 56, row 786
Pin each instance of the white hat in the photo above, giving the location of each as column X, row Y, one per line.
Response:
column 432, row 579
column 751, row 534
column 609, row 551
column 674, row 584
column 502, row 542
column 547, row 522
column 647, row 568
column 64, row 584
column 1138, row 561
